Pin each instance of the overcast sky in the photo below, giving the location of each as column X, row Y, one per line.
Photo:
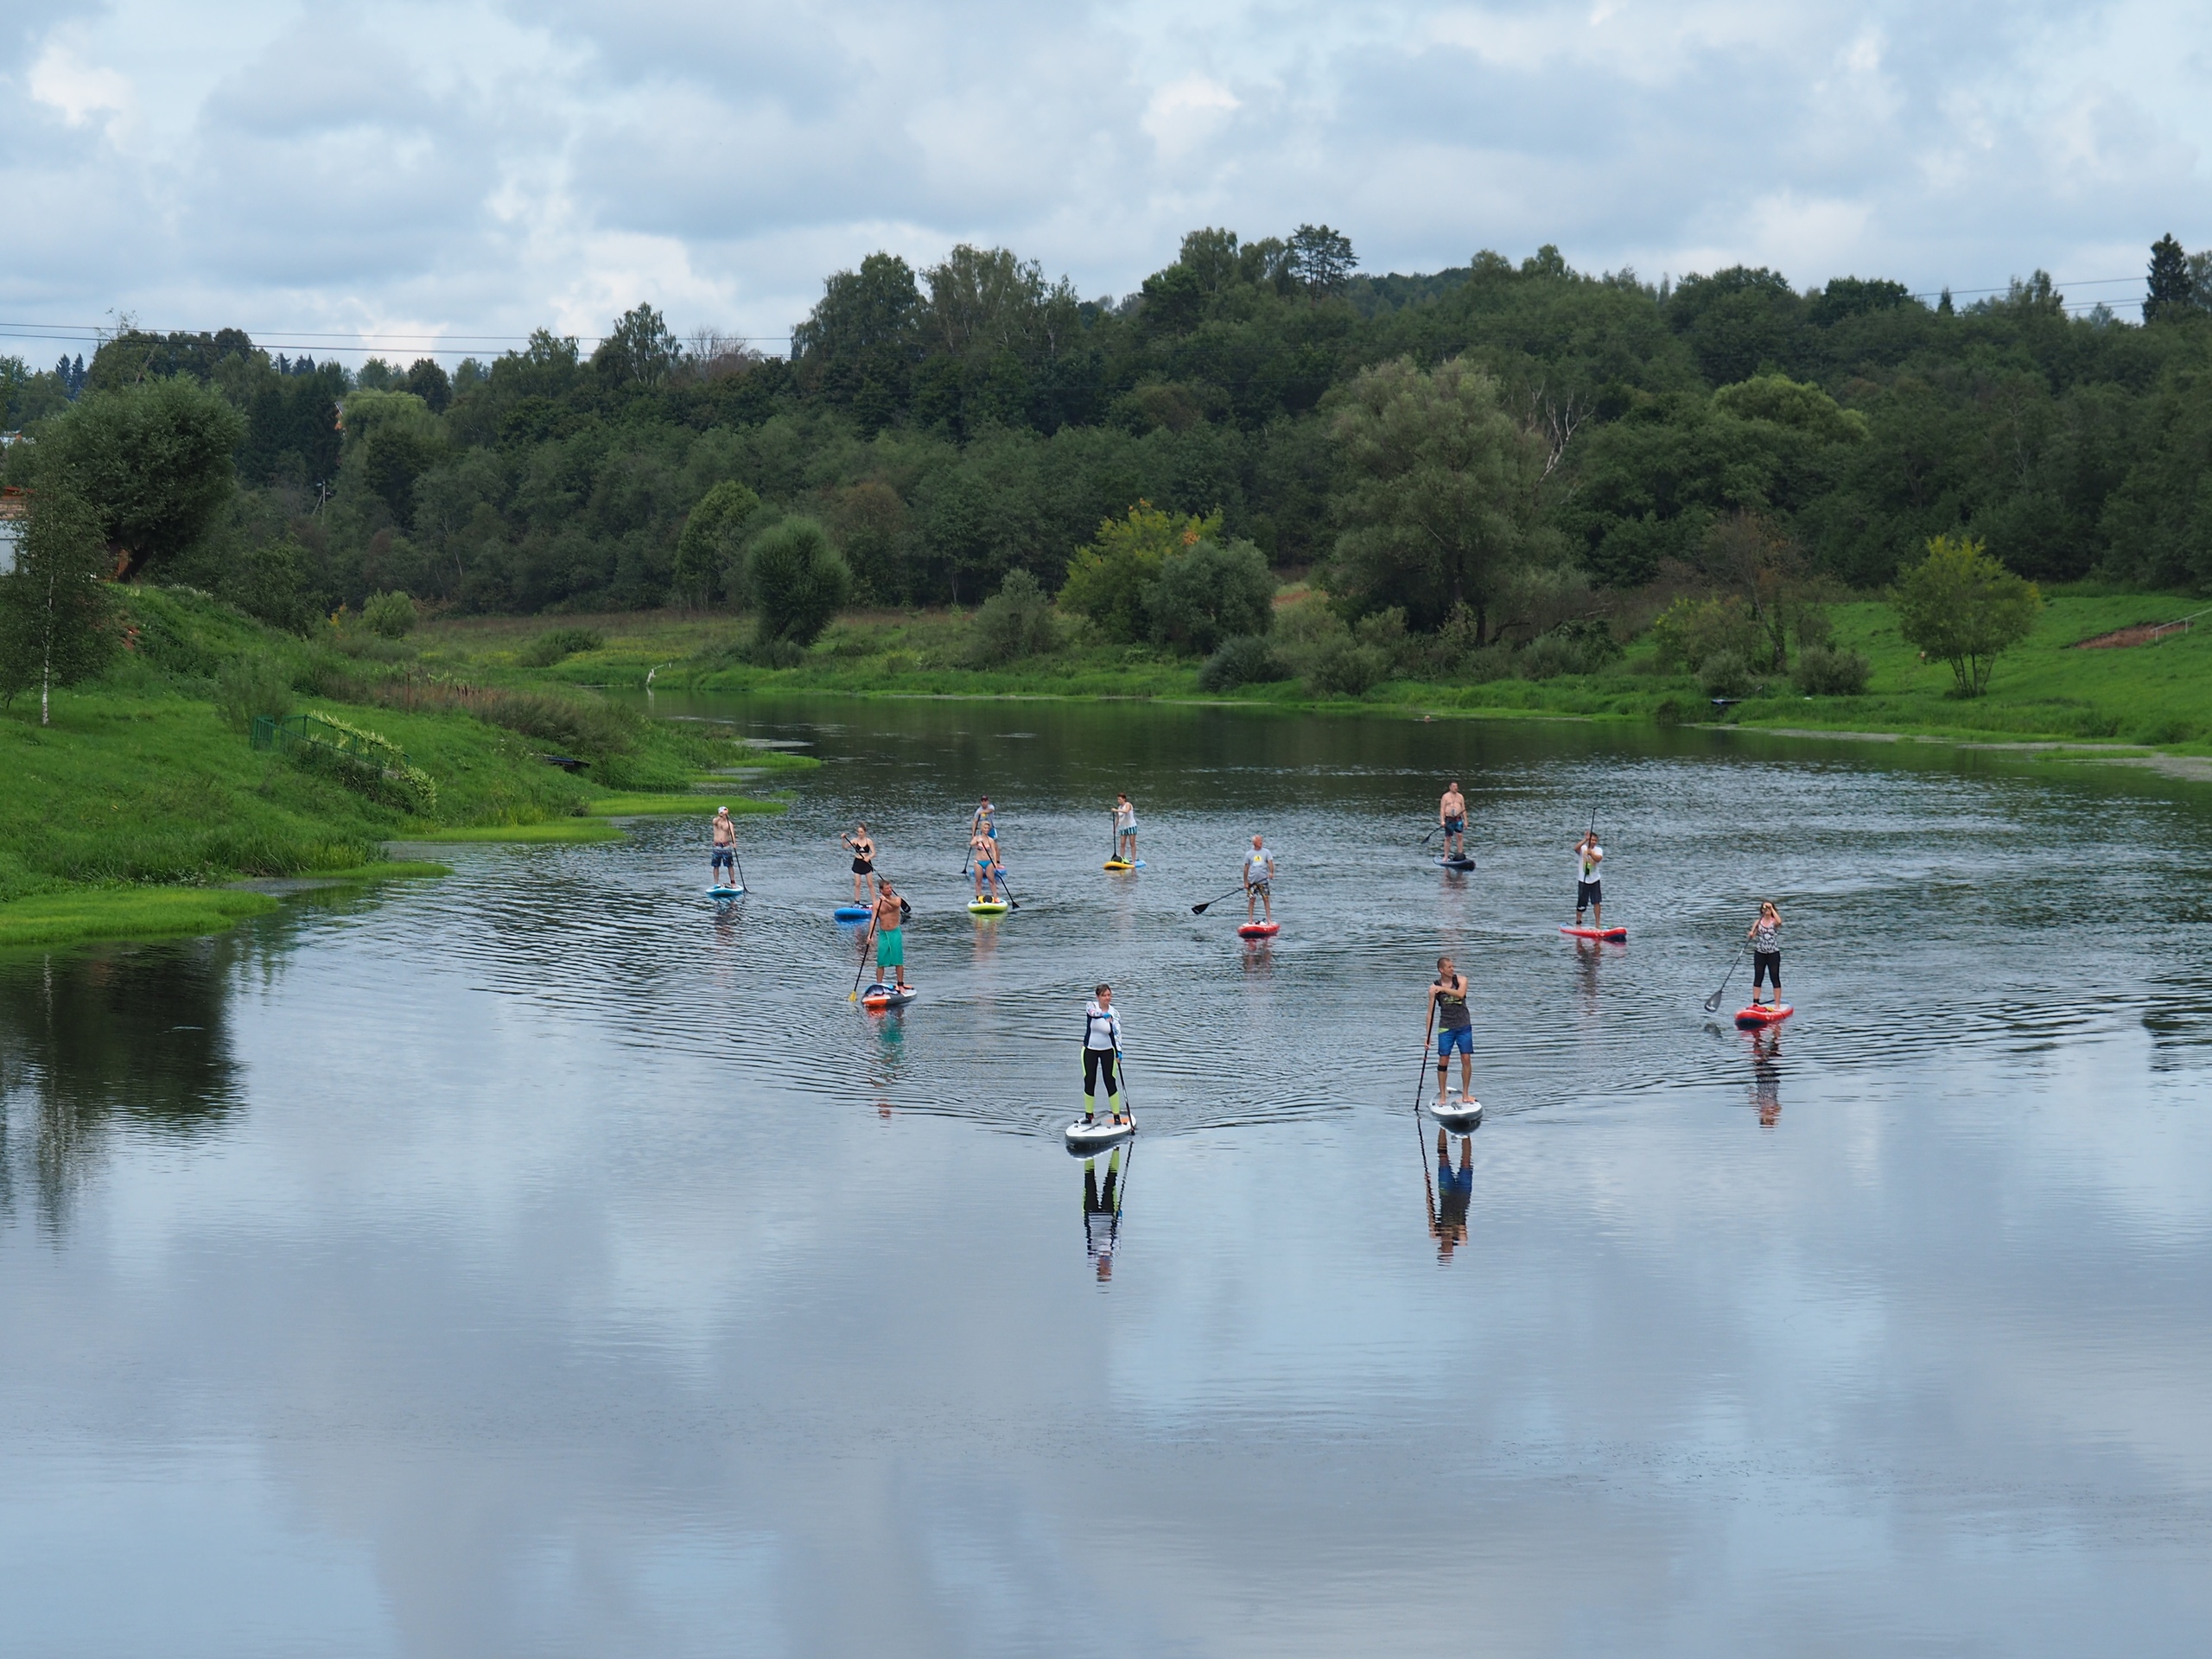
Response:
column 465, row 169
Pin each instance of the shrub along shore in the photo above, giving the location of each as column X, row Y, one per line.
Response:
column 2046, row 690
column 134, row 810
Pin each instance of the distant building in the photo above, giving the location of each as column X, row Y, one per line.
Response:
column 14, row 510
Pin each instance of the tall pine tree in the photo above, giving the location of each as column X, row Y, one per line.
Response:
column 55, row 608
column 2171, row 288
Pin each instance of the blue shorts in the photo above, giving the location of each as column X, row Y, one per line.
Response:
column 1460, row 1037
column 1455, row 826
column 722, row 855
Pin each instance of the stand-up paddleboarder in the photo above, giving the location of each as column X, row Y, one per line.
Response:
column 1765, row 936
column 1447, row 1011
column 1452, row 817
column 1589, row 892
column 1259, row 880
column 890, row 936
column 1102, row 1049
column 723, row 857
column 863, row 851
column 1125, row 829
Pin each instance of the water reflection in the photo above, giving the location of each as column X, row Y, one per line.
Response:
column 1766, row 1074
column 124, row 1035
column 530, row 1308
column 1451, row 1192
column 1102, row 1209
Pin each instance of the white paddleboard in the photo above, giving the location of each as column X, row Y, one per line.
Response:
column 1456, row 1111
column 1087, row 1138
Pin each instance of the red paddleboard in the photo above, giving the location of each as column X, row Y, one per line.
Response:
column 1595, row 932
column 885, row 996
column 1260, row 930
column 1763, row 1014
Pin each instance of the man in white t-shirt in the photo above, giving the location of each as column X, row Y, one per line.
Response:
column 1259, row 880
column 1588, row 895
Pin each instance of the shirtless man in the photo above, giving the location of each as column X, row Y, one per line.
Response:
column 724, row 856
column 863, row 862
column 1451, row 813
column 890, row 935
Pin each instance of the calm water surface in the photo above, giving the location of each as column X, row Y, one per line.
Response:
column 545, row 1261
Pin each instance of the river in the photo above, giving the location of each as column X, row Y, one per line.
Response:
column 547, row 1261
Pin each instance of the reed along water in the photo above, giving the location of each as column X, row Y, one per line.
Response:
column 547, row 1261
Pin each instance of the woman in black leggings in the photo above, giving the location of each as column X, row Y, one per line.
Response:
column 1766, row 951
column 1102, row 1047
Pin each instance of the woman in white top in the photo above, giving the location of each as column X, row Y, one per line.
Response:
column 1102, row 1049
column 1125, row 829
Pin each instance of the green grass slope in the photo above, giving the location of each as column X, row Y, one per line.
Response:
column 2044, row 689
column 127, row 815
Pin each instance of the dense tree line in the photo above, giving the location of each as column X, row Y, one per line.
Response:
column 947, row 426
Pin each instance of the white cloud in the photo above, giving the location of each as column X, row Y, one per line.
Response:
column 1184, row 114
column 81, row 91
column 477, row 168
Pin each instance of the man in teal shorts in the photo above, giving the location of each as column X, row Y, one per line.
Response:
column 890, row 935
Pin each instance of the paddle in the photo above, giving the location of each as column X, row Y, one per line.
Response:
column 1432, row 828
column 739, row 857
column 866, row 938
column 1121, row 1076
column 1421, row 1077
column 1200, row 910
column 1712, row 1002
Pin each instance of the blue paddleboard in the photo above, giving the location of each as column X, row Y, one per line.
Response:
column 724, row 892
column 851, row 913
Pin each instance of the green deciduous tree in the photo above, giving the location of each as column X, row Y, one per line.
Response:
column 1960, row 604
column 390, row 614
column 1014, row 622
column 1751, row 556
column 858, row 346
column 1440, row 498
column 151, row 458
column 707, row 543
column 56, row 613
column 1207, row 592
column 795, row 580
column 640, row 353
column 1109, row 579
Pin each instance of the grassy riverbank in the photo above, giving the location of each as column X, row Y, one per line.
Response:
column 127, row 817
column 2156, row 696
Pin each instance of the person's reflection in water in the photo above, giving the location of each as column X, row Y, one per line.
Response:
column 1766, row 1075
column 1453, row 1191
column 1587, row 954
column 1102, row 1213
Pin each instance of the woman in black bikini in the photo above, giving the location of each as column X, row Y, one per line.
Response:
column 863, row 862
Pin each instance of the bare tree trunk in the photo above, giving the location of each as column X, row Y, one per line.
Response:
column 46, row 662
